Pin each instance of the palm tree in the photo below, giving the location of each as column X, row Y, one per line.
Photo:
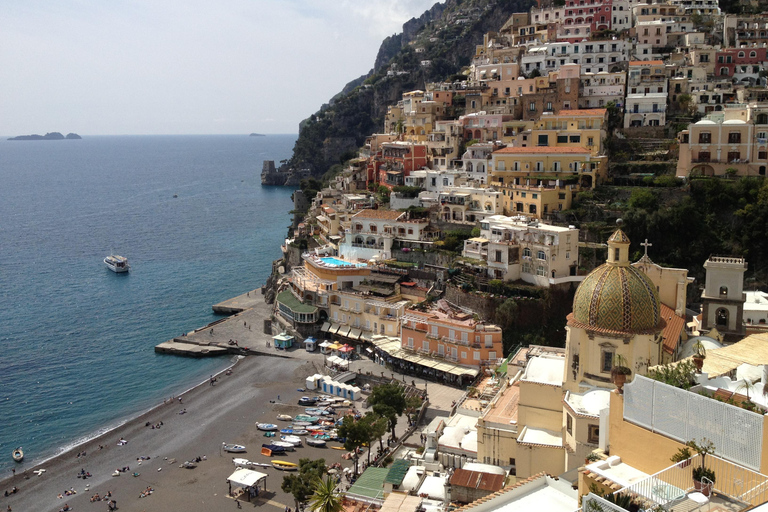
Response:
column 326, row 498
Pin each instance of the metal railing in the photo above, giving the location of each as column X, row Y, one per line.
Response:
column 672, row 485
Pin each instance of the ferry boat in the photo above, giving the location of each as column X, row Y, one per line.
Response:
column 117, row 263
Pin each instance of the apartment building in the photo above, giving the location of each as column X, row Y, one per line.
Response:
column 451, row 334
column 599, row 89
column 583, row 128
column 372, row 233
column 523, row 248
column 733, row 140
column 646, row 103
column 741, row 64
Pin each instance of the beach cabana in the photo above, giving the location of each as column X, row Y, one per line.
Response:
column 283, row 341
column 248, row 480
column 310, row 344
column 324, row 347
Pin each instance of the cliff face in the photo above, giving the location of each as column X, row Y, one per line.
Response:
column 445, row 35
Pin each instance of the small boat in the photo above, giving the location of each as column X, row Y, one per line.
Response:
column 324, row 403
column 18, row 454
column 284, row 465
column 294, row 431
column 274, row 448
column 301, row 424
column 233, row 448
column 188, row 465
column 287, row 446
column 317, row 443
column 305, row 400
column 284, row 417
column 245, row 463
column 305, row 417
column 266, row 426
column 338, row 447
column 117, row 263
column 294, row 440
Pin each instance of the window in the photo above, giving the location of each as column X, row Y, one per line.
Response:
column 543, row 140
column 476, row 355
column 527, row 252
column 606, row 360
column 532, row 106
column 704, row 156
column 425, row 346
column 734, row 156
column 562, row 139
column 575, row 138
column 569, row 424
column 541, row 255
column 410, row 342
column 734, row 138
column 705, row 138
column 541, row 271
column 593, row 435
column 492, row 355
column 498, row 256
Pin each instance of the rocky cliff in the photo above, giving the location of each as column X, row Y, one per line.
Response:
column 446, row 35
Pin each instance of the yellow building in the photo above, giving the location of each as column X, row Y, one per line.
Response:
column 571, row 129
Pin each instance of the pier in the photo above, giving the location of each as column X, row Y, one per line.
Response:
column 239, row 333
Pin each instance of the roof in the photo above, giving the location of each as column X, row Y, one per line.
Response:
column 584, row 112
column 398, row 501
column 545, row 370
column 378, row 214
column 540, row 437
column 397, row 471
column 673, row 329
column 751, row 350
column 246, row 477
column 370, row 484
column 539, row 150
column 477, row 480
column 646, row 62
column 289, row 299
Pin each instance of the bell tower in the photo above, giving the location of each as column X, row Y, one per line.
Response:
column 723, row 298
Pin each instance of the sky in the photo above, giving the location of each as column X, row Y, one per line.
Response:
column 142, row 67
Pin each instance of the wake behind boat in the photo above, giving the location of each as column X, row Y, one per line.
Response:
column 118, row 264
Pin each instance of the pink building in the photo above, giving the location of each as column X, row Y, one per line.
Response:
column 451, row 334
column 596, row 13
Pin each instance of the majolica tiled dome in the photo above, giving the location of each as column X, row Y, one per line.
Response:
column 617, row 296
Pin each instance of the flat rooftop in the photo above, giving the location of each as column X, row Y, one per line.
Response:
column 506, row 408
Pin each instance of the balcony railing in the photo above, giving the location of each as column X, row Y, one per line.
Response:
column 455, row 341
column 453, row 358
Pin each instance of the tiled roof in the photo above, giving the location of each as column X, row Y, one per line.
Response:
column 477, row 480
column 501, row 492
column 619, row 236
column 543, row 150
column 584, row 112
column 671, row 333
column 378, row 214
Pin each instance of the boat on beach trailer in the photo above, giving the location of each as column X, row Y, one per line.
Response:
column 284, row 465
column 18, row 454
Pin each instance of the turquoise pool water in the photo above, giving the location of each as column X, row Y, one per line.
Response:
column 336, row 262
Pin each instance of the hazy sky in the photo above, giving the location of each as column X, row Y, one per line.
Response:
column 183, row 67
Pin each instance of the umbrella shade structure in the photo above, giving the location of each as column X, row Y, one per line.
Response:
column 247, row 478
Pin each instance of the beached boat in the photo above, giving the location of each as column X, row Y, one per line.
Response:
column 306, row 417
column 266, row 426
column 18, row 454
column 301, row 424
column 117, row 263
column 317, row 443
column 294, row 431
column 274, row 448
column 288, row 446
column 323, row 403
column 284, row 417
column 188, row 464
column 294, row 440
column 305, row 400
column 233, row 448
column 284, row 465
column 318, row 412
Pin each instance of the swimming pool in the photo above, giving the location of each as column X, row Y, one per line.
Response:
column 336, row 262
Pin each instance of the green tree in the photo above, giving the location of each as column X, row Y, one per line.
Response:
column 388, row 400
column 325, row 497
column 355, row 434
column 301, row 485
column 412, row 405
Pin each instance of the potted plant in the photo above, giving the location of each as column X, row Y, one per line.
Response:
column 701, row 472
column 620, row 371
column 682, row 458
column 699, row 353
column 591, row 457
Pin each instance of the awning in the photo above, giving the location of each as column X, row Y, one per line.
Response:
column 246, row 477
column 334, row 328
column 343, row 330
column 325, row 327
column 355, row 333
column 334, row 346
column 346, row 348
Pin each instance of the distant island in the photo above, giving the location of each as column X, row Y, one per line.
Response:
column 47, row 136
column 257, row 135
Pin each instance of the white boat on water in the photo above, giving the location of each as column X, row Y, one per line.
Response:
column 233, row 448
column 117, row 263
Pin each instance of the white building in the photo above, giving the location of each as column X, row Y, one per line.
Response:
column 372, row 232
column 516, row 248
column 597, row 90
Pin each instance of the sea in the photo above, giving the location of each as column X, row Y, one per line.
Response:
column 77, row 340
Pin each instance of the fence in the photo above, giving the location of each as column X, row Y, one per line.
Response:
column 683, row 415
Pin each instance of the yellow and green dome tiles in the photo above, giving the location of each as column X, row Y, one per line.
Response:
column 617, row 298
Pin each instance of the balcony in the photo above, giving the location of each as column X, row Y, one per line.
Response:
column 455, row 341
column 452, row 358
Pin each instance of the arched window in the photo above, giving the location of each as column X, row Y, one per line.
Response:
column 527, row 252
column 721, row 317
column 753, row 54
column 372, row 228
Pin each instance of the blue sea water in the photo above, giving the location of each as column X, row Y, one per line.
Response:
column 77, row 340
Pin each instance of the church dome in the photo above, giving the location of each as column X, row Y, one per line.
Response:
column 617, row 296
